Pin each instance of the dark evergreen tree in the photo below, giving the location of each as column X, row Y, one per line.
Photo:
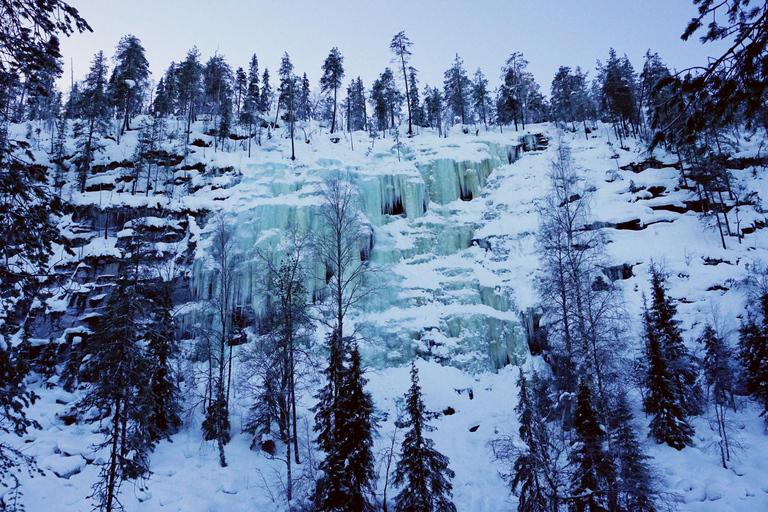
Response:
column 239, row 92
column 333, row 72
column 27, row 206
column 417, row 111
column 753, row 351
column 95, row 108
column 733, row 85
column 400, row 46
column 433, row 106
column 635, row 489
column 619, row 94
column 164, row 414
column 529, row 476
column 682, row 365
column 594, row 472
column 265, row 98
column 129, row 78
column 118, row 389
column 353, row 454
column 162, row 104
column 718, row 372
column 331, row 492
column 422, row 472
column 190, row 73
column 43, row 102
column 663, row 396
column 303, row 99
column 250, row 115
column 481, row 97
column 356, row 111
column 570, row 99
column 217, row 86
column 457, row 91
column 513, row 91
column 378, row 100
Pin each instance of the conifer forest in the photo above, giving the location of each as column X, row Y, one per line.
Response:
column 243, row 285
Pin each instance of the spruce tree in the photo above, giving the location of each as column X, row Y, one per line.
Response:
column 682, row 365
column 481, row 97
column 400, row 46
column 753, row 352
column 165, row 410
column 417, row 112
column 333, row 72
column 458, row 89
column 95, row 109
column 129, row 78
column 422, row 472
column 594, row 472
column 358, row 429
column 663, row 399
column 119, row 390
column 529, row 476
column 635, row 489
column 265, row 97
column 718, row 372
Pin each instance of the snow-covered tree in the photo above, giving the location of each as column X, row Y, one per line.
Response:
column 458, row 90
column 422, row 472
column 128, row 82
column 333, row 72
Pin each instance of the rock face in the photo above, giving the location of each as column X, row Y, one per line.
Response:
column 422, row 216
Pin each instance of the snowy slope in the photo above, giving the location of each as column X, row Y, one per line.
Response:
column 457, row 266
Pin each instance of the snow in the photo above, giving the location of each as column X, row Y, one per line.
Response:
column 438, row 291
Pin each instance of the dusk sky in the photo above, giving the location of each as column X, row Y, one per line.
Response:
column 550, row 33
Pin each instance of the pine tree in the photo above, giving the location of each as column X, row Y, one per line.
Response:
column 594, row 472
column 480, row 97
column 529, row 473
column 433, row 101
column 304, row 100
column 41, row 86
column 129, row 78
column 118, row 389
column 457, row 89
column 618, row 94
column 28, row 41
column 400, row 46
column 356, row 440
column 356, row 115
column 421, row 471
column 663, row 398
column 217, row 86
column 417, row 112
column 682, row 366
column 95, row 108
column 239, row 92
column 718, row 372
column 513, row 90
column 333, row 72
column 331, row 492
column 753, row 349
column 251, row 111
column 265, row 98
column 189, row 78
column 165, row 409
column 635, row 489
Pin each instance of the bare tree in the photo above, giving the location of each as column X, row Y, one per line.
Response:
column 339, row 246
column 287, row 324
column 582, row 304
column 222, row 303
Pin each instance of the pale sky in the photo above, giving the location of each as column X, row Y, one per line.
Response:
column 550, row 33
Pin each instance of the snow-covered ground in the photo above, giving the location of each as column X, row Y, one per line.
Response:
column 436, row 286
